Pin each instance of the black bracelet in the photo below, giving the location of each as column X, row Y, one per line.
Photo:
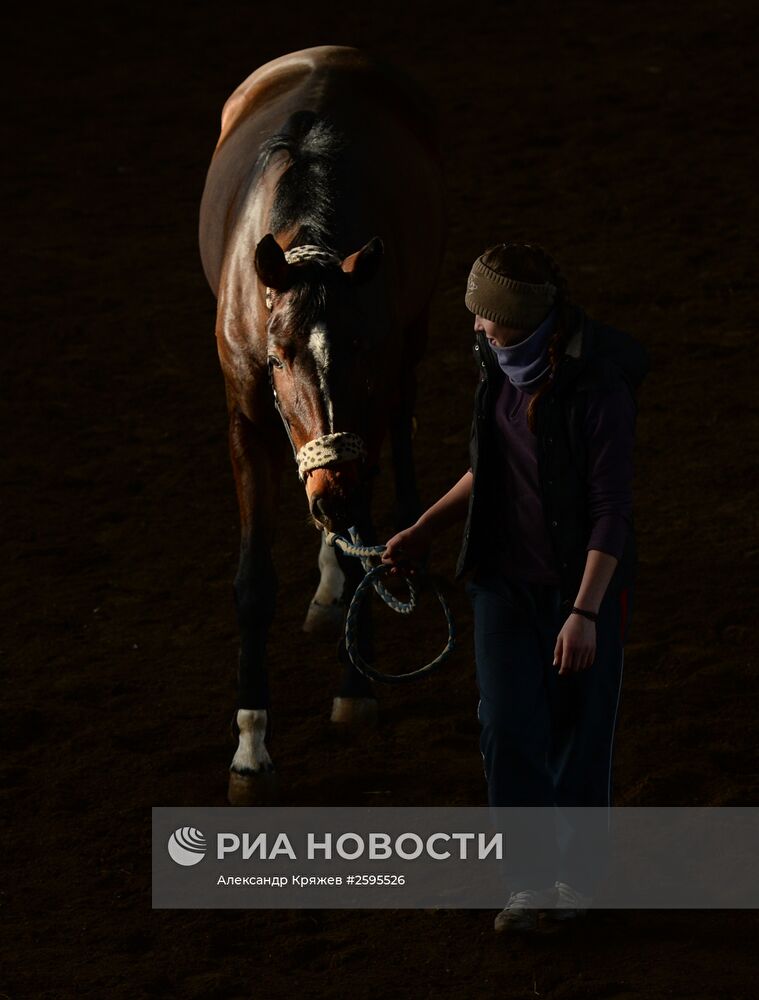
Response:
column 586, row 614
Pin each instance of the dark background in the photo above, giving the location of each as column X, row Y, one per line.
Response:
column 621, row 136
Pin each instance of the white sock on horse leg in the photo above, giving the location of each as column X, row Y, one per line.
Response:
column 332, row 580
column 251, row 754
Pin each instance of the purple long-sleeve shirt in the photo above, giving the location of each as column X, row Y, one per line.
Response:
column 525, row 550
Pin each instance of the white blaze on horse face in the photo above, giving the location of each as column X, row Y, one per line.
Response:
column 319, row 346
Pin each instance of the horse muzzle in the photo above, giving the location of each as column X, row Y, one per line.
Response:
column 331, row 468
column 333, row 494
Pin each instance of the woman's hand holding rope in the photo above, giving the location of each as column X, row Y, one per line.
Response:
column 412, row 545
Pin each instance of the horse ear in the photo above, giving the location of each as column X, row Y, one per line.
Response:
column 271, row 266
column 364, row 263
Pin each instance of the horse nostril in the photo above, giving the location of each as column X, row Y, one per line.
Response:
column 319, row 508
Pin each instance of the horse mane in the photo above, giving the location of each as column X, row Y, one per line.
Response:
column 305, row 192
column 305, row 198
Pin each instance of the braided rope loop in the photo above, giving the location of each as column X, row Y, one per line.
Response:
column 371, row 581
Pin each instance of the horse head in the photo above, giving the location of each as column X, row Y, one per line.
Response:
column 319, row 358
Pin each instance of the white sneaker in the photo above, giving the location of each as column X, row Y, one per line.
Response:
column 570, row 904
column 523, row 909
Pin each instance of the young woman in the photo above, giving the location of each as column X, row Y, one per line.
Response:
column 549, row 534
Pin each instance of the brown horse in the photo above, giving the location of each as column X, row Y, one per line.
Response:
column 321, row 235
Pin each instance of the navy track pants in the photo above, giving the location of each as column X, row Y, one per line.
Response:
column 548, row 740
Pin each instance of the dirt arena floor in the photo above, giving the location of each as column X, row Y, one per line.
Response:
column 618, row 135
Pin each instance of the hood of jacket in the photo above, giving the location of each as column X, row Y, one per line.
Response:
column 599, row 351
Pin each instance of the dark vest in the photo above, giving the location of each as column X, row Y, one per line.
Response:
column 594, row 354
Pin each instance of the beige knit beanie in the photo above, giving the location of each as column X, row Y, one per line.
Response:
column 505, row 301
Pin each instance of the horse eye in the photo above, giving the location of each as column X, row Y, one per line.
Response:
column 273, row 361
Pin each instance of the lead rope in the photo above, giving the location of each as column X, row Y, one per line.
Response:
column 354, row 547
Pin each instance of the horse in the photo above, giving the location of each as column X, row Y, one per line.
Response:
column 321, row 232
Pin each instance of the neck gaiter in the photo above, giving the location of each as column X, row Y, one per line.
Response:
column 525, row 364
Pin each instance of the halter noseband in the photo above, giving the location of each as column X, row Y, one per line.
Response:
column 342, row 446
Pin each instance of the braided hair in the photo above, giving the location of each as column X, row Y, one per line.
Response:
column 531, row 263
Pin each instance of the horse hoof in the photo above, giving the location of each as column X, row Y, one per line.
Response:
column 324, row 621
column 256, row 788
column 359, row 713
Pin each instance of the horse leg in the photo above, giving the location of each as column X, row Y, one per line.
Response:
column 257, row 478
column 326, row 612
column 355, row 703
